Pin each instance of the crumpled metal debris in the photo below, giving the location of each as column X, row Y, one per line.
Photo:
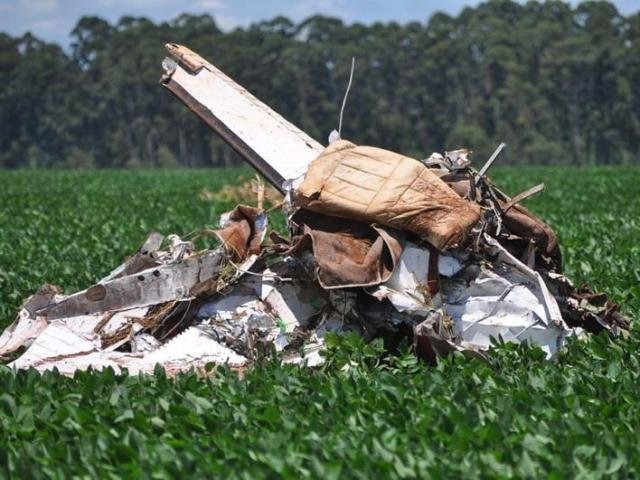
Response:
column 431, row 252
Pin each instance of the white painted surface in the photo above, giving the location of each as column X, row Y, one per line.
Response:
column 509, row 300
column 280, row 143
column 192, row 348
column 56, row 342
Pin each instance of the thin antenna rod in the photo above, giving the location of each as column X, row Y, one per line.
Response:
column 346, row 94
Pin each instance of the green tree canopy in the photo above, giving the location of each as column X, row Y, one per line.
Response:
column 559, row 84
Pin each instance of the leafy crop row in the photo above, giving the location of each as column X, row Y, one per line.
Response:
column 518, row 416
column 360, row 416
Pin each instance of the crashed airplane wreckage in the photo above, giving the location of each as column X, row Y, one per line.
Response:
column 380, row 244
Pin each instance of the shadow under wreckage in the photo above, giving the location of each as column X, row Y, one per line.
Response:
column 380, row 244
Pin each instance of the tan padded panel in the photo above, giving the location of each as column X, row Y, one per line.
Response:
column 374, row 185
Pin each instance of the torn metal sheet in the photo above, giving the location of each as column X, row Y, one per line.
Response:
column 412, row 272
column 146, row 257
column 148, row 287
column 292, row 299
column 506, row 299
column 56, row 342
column 434, row 336
column 292, row 304
column 454, row 160
column 66, row 351
column 224, row 307
column 274, row 146
column 242, row 231
column 479, row 299
column 27, row 324
column 241, row 327
column 353, row 254
column 179, row 249
column 263, row 309
column 407, row 289
column 144, row 343
column 547, row 299
column 403, row 302
column 69, row 365
column 192, row 349
column 76, row 336
column 116, row 321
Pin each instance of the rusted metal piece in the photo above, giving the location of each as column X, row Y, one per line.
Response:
column 243, row 232
column 353, row 255
column 187, row 57
column 522, row 196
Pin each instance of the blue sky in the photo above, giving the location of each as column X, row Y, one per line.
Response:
column 53, row 19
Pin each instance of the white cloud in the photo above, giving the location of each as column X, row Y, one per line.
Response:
column 211, row 5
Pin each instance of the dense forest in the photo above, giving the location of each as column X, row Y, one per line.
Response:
column 559, row 84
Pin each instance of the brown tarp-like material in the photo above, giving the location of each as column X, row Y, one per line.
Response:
column 517, row 219
column 348, row 254
column 373, row 185
column 355, row 254
column 239, row 234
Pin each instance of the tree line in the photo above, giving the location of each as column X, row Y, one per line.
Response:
column 559, row 84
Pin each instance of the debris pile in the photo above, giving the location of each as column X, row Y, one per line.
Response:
column 429, row 252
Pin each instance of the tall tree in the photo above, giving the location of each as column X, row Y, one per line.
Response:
column 560, row 84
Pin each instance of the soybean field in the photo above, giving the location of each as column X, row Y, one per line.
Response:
column 363, row 414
